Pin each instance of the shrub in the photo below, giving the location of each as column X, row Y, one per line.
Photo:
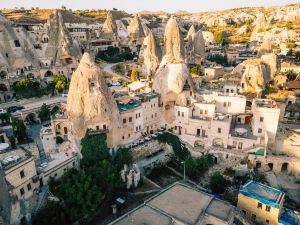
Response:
column 218, row 183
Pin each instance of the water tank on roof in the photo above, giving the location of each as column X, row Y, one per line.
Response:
column 3, row 147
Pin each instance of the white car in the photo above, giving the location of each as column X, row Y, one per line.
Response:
column 65, row 95
column 3, row 111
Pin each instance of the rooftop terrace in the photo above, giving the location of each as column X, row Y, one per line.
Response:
column 10, row 158
column 263, row 193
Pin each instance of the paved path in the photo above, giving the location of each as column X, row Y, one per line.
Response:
column 107, row 67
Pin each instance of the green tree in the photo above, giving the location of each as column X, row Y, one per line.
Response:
column 122, row 157
column 190, row 167
column 51, row 214
column 134, row 74
column 218, row 183
column 297, row 55
column 19, row 129
column 195, row 70
column 60, row 82
column 44, row 113
column 12, row 141
column 179, row 149
column 219, row 38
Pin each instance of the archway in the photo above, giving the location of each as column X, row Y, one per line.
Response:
column 270, row 166
column 199, row 143
column 258, row 165
column 3, row 75
column 215, row 160
column 48, row 73
column 218, row 142
column 284, row 167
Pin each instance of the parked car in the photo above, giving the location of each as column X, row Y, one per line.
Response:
column 3, row 111
column 65, row 95
column 14, row 108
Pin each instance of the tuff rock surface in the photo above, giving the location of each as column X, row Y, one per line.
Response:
column 90, row 101
column 152, row 53
column 135, row 28
column 195, row 47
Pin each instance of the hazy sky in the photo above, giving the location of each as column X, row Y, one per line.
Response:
column 139, row 5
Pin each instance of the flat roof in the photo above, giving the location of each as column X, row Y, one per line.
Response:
column 219, row 209
column 183, row 203
column 263, row 193
column 177, row 204
column 148, row 96
column 145, row 215
column 10, row 158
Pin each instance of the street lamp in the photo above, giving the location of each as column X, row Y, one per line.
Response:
column 183, row 163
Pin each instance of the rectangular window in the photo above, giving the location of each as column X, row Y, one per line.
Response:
column 240, row 146
column 182, row 114
column 29, row 187
column 22, row 174
column 178, row 113
column 234, row 143
column 198, row 132
column 219, row 130
column 206, row 112
column 261, row 119
column 22, row 191
column 201, row 111
column 97, row 128
column 259, row 130
column 268, row 208
column 224, row 104
column 267, row 221
column 130, row 119
column 229, row 104
column 259, row 205
column 124, row 120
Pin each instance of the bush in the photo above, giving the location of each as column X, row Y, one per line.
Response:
column 44, row 113
column 289, row 25
column 218, row 183
column 219, row 38
column 195, row 70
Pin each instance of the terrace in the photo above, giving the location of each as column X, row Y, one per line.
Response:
column 11, row 158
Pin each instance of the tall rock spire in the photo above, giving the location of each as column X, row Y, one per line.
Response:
column 195, row 47
column 152, row 53
column 135, row 28
column 110, row 25
column 174, row 41
column 90, row 102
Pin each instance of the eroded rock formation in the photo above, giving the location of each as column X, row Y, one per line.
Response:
column 90, row 102
column 174, row 43
column 254, row 75
column 135, row 28
column 152, row 53
column 195, row 47
column 60, row 45
column 110, row 25
column 273, row 62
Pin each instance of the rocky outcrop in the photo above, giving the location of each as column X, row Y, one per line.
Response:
column 208, row 37
column 266, row 46
column 195, row 47
column 255, row 74
column 174, row 43
column 273, row 63
column 110, row 25
column 90, row 102
column 152, row 53
column 260, row 22
column 244, row 29
column 135, row 28
column 60, row 46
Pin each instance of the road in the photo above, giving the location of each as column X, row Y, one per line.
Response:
column 107, row 67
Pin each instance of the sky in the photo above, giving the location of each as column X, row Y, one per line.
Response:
column 149, row 5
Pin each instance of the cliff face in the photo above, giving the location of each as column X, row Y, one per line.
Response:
column 135, row 28
column 90, row 102
column 174, row 43
column 195, row 47
column 152, row 53
column 60, row 45
column 254, row 75
column 272, row 61
column 110, row 25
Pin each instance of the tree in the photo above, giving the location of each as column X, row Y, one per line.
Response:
column 60, row 82
column 12, row 141
column 134, row 74
column 219, row 38
column 19, row 129
column 44, row 113
column 196, row 70
column 122, row 157
column 297, row 55
column 218, row 183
